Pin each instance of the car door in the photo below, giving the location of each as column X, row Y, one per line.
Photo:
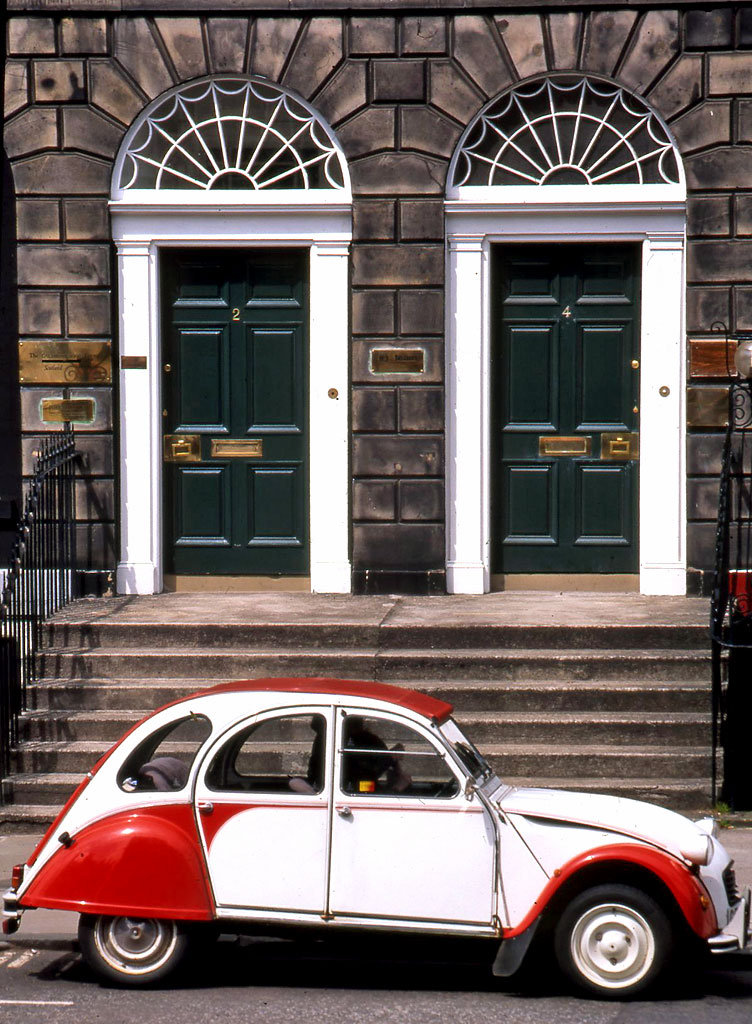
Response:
column 407, row 843
column 263, row 809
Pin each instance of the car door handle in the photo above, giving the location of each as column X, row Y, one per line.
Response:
column 205, row 807
column 344, row 812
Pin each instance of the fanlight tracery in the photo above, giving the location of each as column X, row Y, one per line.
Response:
column 230, row 133
column 566, row 131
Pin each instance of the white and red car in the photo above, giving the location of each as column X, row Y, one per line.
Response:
column 290, row 802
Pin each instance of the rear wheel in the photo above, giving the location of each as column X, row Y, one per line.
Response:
column 132, row 950
column 613, row 940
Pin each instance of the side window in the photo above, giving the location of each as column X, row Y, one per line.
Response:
column 163, row 761
column 388, row 758
column 281, row 754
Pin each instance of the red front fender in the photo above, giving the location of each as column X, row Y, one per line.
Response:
column 144, row 862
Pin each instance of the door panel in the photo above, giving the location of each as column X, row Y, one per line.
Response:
column 565, row 370
column 203, row 502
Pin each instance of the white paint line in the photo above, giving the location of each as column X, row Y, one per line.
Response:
column 23, row 959
column 35, row 1002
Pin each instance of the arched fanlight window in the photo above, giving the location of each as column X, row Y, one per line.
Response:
column 230, row 133
column 566, row 131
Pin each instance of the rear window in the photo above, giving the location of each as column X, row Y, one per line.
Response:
column 162, row 762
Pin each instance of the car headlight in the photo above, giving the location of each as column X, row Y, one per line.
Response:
column 697, row 851
column 709, row 826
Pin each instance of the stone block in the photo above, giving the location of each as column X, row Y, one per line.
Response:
column 112, row 91
column 702, row 499
column 98, row 454
column 433, row 361
column 85, row 129
column 680, row 88
column 708, row 215
column 742, row 309
column 374, row 410
column 421, row 312
column 388, row 456
column 372, row 36
column 31, row 131
column 56, row 265
column 398, row 174
column 62, row 172
column 86, row 220
column 421, row 220
column 31, row 35
column 730, row 74
column 654, row 45
column 421, row 500
column 373, row 312
column 421, row 409
column 403, row 546
column 395, row 265
column 708, row 124
column 272, row 41
column 425, row 35
column 95, row 545
column 704, row 452
column 724, row 167
column 523, row 38
column 743, row 211
column 31, row 408
column 374, row 500
column 59, row 81
column 707, row 407
column 745, row 25
column 39, row 313
column 565, row 39
column 87, row 313
column 744, row 110
column 450, row 91
column 401, row 81
column 16, row 86
column 38, row 220
column 704, row 30
column 137, row 51
column 95, row 500
column 316, row 55
column 184, row 42
column 374, row 220
column 476, row 49
column 705, row 306
column 228, row 42
column 369, row 131
column 606, row 34
column 83, row 35
column 428, row 131
column 719, row 261
column 701, row 545
column 344, row 93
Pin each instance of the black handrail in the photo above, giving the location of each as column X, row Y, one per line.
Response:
column 41, row 578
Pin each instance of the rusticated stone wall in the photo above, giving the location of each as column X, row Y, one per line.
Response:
column 398, row 88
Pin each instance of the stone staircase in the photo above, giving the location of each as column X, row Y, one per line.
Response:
column 606, row 705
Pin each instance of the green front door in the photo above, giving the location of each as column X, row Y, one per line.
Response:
column 565, row 387
column 235, row 412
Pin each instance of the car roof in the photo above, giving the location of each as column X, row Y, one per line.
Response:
column 421, row 703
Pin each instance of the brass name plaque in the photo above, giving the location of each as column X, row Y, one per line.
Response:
column 68, row 410
column 231, row 449
column 133, row 362
column 397, row 360
column 65, row 362
column 620, row 447
column 564, row 445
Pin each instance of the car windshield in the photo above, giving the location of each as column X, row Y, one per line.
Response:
column 472, row 760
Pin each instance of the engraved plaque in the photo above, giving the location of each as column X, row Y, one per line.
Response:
column 133, row 362
column 243, row 449
column 68, row 410
column 65, row 362
column 397, row 360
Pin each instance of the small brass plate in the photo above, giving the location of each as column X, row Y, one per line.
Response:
column 182, row 447
column 245, row 449
column 397, row 360
column 620, row 447
column 564, row 445
column 68, row 410
column 133, row 362
column 65, row 362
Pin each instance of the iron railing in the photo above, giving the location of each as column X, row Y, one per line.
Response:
column 40, row 579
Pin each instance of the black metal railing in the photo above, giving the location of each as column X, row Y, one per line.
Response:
column 731, row 606
column 40, row 579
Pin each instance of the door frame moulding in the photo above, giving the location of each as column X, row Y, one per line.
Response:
column 656, row 221
column 140, row 231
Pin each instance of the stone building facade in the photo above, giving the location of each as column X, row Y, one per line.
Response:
column 404, row 491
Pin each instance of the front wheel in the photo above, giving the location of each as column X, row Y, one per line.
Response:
column 132, row 950
column 613, row 941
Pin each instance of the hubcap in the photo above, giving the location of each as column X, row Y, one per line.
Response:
column 135, row 945
column 613, row 946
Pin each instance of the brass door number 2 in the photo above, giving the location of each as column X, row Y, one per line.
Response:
column 236, row 314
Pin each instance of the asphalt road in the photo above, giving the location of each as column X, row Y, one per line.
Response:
column 293, row 983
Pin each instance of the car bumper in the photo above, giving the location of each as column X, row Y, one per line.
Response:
column 736, row 935
column 12, row 913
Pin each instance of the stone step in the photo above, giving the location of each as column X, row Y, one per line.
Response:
column 404, row 666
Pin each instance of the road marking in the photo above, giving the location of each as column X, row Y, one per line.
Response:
column 23, row 959
column 35, row 1002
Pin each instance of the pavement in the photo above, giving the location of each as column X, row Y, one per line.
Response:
column 57, row 928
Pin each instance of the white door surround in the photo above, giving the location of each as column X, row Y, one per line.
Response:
column 652, row 215
column 141, row 229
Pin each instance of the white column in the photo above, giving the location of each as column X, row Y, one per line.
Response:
column 329, row 422
column 467, row 397
column 140, row 424
column 663, row 561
